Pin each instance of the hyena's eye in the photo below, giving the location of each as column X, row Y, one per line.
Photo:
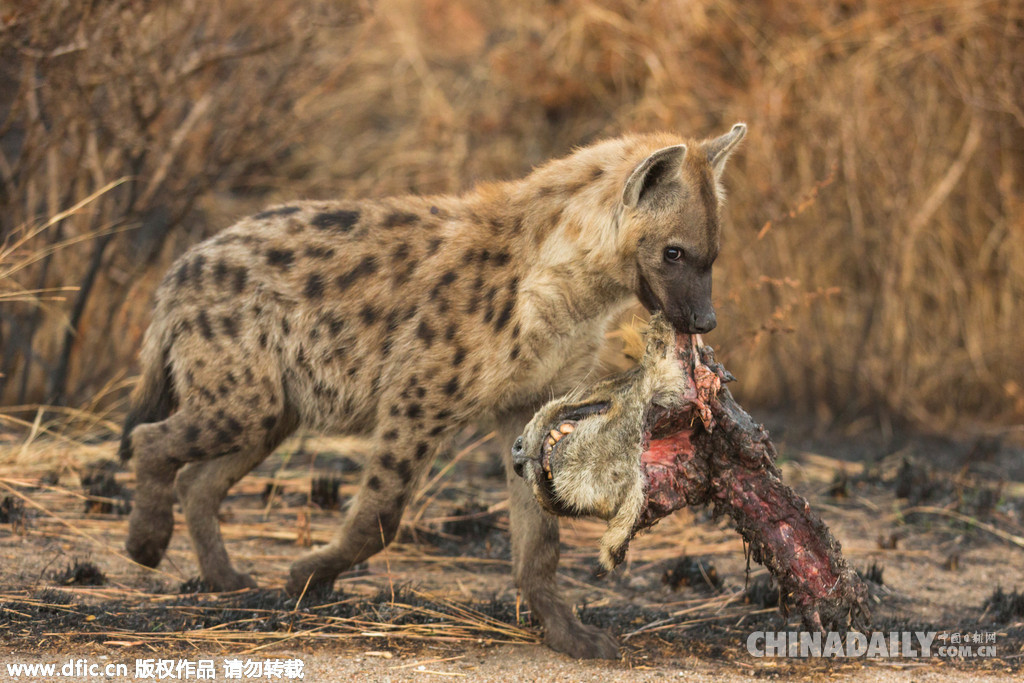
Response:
column 673, row 254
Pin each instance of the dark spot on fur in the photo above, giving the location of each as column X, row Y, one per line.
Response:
column 181, row 275
column 489, row 300
column 223, row 389
column 443, row 414
column 281, row 258
column 502, row 258
column 263, row 340
column 223, row 438
column 400, row 253
column 335, row 326
column 286, row 327
column 234, row 426
column 204, row 325
column 395, row 410
column 374, row 482
column 437, row 430
column 368, row 266
column 596, row 173
column 320, row 252
column 314, row 286
column 390, row 435
column 434, row 211
column 368, row 315
column 272, row 213
column 505, row 315
column 195, row 453
column 516, row 330
column 191, row 434
column 422, row 448
column 449, row 333
column 336, row 220
column 433, row 245
column 575, row 186
column 404, row 470
column 387, row 461
column 413, row 411
column 241, row 278
column 460, row 355
column 515, row 352
column 197, row 268
column 220, row 271
column 452, row 386
column 425, row 333
column 447, row 279
column 230, row 324
column 396, row 218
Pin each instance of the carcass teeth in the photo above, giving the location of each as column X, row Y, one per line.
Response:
column 566, row 428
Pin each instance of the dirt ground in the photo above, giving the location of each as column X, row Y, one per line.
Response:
column 937, row 528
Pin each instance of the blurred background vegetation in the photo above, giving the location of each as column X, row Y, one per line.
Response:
column 872, row 270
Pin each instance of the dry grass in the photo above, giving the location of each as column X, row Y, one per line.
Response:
column 874, row 261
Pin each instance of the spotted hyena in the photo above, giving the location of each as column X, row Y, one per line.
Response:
column 404, row 319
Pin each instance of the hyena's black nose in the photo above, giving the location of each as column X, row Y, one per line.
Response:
column 518, row 457
column 703, row 322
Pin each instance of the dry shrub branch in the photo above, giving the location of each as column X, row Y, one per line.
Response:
column 874, row 259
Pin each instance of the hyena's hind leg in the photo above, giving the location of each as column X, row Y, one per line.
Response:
column 239, row 418
column 201, row 488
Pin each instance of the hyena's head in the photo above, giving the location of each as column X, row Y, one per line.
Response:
column 671, row 203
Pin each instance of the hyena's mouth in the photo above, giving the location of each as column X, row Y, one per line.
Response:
column 560, row 430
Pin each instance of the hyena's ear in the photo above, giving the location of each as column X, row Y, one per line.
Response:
column 662, row 165
column 719, row 149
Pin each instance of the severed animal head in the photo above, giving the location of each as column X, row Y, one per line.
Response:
column 582, row 453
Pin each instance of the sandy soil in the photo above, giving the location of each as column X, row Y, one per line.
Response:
column 440, row 603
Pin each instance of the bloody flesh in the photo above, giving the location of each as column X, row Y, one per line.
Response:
column 711, row 451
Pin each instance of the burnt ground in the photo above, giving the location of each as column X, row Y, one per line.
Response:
column 935, row 526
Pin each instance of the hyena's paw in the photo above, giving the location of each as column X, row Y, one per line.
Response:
column 149, row 533
column 226, row 583
column 582, row 641
column 309, row 576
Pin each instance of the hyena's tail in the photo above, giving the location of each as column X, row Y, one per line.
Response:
column 153, row 398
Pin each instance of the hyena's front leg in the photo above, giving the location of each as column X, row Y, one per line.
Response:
column 406, row 443
column 535, row 563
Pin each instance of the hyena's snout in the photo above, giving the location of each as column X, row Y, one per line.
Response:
column 703, row 321
column 519, row 459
